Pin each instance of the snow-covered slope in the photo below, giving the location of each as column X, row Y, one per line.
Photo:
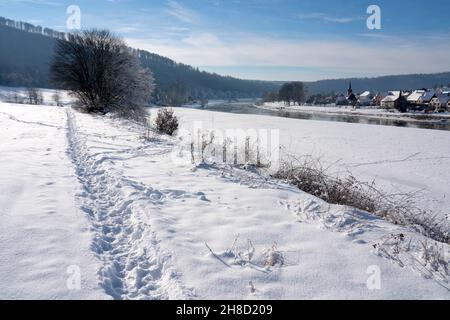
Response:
column 144, row 223
column 45, row 241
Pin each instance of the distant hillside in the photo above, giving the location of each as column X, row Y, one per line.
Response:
column 26, row 51
column 380, row 84
column 24, row 58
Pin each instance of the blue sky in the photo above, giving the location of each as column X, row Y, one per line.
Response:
column 268, row 39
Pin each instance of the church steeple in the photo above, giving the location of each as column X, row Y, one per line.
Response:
column 350, row 90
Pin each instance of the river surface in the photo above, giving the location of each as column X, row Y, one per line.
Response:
column 250, row 108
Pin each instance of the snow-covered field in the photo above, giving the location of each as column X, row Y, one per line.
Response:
column 399, row 159
column 8, row 94
column 139, row 221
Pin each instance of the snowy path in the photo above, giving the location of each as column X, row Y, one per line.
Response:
column 134, row 266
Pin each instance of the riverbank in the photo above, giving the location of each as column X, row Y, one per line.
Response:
column 362, row 111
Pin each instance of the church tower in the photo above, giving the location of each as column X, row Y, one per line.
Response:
column 350, row 90
column 351, row 98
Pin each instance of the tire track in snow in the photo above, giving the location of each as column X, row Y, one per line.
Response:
column 133, row 264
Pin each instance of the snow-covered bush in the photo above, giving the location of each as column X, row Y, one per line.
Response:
column 102, row 74
column 166, row 122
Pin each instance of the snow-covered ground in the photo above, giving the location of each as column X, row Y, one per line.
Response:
column 399, row 159
column 8, row 94
column 362, row 111
column 140, row 221
column 44, row 236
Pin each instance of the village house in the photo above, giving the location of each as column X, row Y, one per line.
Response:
column 442, row 90
column 376, row 101
column 365, row 99
column 414, row 98
column 417, row 100
column 426, row 98
column 389, row 102
column 396, row 100
column 441, row 103
column 341, row 100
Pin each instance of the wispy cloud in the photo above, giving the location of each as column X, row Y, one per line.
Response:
column 330, row 58
column 180, row 12
column 327, row 18
column 38, row 2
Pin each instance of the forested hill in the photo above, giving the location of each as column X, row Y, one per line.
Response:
column 26, row 50
column 381, row 84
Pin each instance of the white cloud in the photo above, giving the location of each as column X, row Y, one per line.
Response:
column 331, row 58
column 40, row 2
column 327, row 18
column 175, row 9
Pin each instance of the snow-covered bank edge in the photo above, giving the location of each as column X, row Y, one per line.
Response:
column 370, row 113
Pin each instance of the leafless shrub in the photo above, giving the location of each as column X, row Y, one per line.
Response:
column 34, row 96
column 435, row 258
column 428, row 257
column 57, row 99
column 102, row 74
column 251, row 287
column 225, row 145
column 15, row 97
column 308, row 174
column 243, row 256
column 166, row 122
column 149, row 133
column 273, row 257
column 207, row 141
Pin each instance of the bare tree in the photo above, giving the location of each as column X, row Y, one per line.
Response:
column 13, row 98
column 16, row 98
column 299, row 92
column 34, row 96
column 292, row 92
column 102, row 73
column 57, row 99
column 286, row 93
